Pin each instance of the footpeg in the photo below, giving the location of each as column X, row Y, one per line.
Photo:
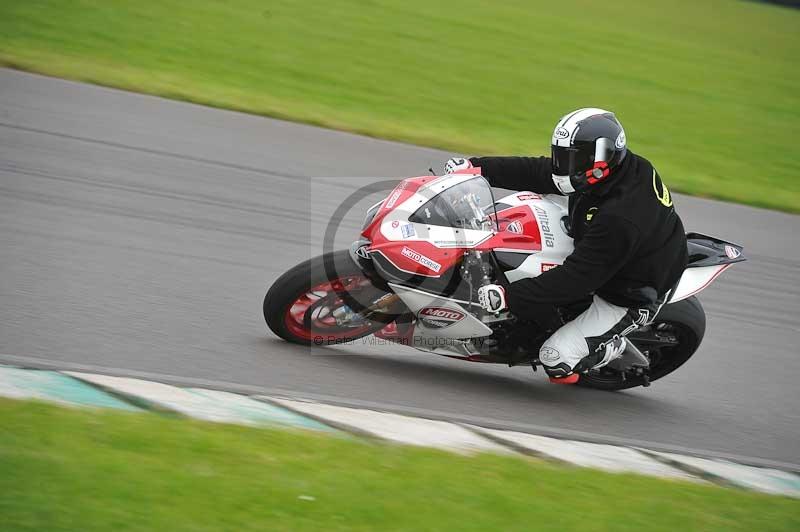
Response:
column 631, row 358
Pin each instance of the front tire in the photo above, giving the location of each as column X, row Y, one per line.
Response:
column 301, row 305
column 682, row 323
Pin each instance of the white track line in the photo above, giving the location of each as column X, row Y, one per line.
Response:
column 755, row 478
column 613, row 458
column 396, row 428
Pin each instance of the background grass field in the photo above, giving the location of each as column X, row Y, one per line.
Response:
column 708, row 90
column 67, row 469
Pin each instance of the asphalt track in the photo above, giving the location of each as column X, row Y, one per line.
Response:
column 138, row 236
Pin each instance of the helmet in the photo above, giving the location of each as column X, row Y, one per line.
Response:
column 588, row 144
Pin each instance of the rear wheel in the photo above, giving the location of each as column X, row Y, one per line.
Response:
column 669, row 342
column 318, row 302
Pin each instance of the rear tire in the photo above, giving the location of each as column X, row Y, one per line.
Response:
column 686, row 320
column 312, row 275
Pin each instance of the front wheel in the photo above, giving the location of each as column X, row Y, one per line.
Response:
column 668, row 343
column 318, row 302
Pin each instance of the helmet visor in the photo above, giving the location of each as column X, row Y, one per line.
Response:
column 573, row 160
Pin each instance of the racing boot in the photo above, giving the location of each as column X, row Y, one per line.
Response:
column 606, row 352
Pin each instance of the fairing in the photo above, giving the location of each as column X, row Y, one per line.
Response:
column 406, row 247
column 708, row 258
column 527, row 234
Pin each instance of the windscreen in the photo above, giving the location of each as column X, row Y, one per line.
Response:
column 467, row 205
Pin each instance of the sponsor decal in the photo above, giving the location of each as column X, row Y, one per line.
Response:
column 439, row 317
column 590, row 214
column 515, row 227
column 644, row 317
column 560, row 133
column 396, row 193
column 662, row 195
column 620, row 142
column 548, row 354
column 395, row 224
column 544, row 225
column 451, row 243
column 732, row 252
column 546, row 266
column 408, row 231
column 362, row 252
column 528, row 196
column 419, row 258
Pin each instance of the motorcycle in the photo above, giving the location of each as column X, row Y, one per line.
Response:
column 413, row 274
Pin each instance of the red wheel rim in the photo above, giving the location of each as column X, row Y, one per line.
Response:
column 323, row 324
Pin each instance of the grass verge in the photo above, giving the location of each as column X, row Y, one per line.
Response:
column 709, row 91
column 68, row 469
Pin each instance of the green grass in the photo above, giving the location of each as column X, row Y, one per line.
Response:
column 708, row 90
column 67, row 469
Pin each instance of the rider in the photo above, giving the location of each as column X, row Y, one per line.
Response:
column 630, row 246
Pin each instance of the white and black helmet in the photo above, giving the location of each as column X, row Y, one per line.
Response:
column 588, row 144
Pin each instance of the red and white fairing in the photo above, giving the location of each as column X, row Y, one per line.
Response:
column 543, row 218
column 529, row 224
